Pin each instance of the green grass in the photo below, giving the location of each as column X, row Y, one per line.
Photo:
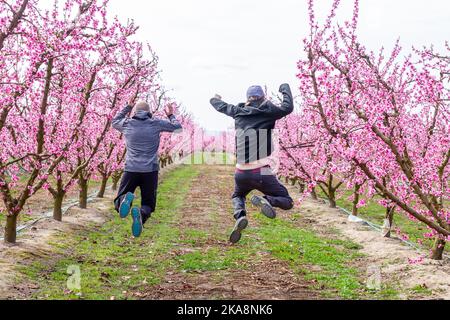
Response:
column 301, row 249
column 212, row 260
column 22, row 218
column 194, row 237
column 325, row 261
column 113, row 264
column 111, row 261
column 421, row 290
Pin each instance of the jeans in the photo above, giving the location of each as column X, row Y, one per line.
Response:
column 267, row 183
column 148, row 183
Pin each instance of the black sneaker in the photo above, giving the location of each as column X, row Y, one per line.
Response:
column 240, row 226
column 265, row 206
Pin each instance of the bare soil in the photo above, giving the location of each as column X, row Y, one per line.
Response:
column 35, row 245
column 41, row 204
column 391, row 256
column 207, row 208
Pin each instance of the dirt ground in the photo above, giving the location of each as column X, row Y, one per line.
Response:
column 35, row 244
column 41, row 204
column 207, row 208
column 270, row 279
column 390, row 256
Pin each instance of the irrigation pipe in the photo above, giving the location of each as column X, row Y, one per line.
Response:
column 49, row 214
column 377, row 227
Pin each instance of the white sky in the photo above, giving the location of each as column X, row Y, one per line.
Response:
column 224, row 46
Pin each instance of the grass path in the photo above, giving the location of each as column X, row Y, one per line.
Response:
column 184, row 252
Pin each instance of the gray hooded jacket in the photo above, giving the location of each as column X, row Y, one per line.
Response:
column 142, row 136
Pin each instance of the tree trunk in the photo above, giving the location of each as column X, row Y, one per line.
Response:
column 83, row 184
column 115, row 179
column 332, row 198
column 302, row 187
column 58, row 196
column 438, row 250
column 57, row 206
column 314, row 194
column 356, row 200
column 388, row 222
column 11, row 229
column 101, row 192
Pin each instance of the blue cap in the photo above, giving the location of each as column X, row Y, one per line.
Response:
column 255, row 91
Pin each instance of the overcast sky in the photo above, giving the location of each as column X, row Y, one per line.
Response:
column 224, row 46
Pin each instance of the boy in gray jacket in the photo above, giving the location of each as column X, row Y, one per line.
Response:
column 142, row 136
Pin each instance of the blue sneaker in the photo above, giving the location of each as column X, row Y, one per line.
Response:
column 137, row 222
column 125, row 206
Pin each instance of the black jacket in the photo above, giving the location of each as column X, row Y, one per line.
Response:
column 254, row 124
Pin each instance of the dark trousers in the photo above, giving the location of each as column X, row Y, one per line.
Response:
column 148, row 184
column 265, row 182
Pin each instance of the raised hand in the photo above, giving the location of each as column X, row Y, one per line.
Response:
column 170, row 108
column 132, row 104
column 284, row 88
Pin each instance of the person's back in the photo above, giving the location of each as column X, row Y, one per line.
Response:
column 142, row 138
column 254, row 123
column 142, row 135
column 254, row 131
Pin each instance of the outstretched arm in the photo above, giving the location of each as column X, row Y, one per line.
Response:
column 287, row 106
column 225, row 108
column 170, row 126
column 173, row 124
column 118, row 122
